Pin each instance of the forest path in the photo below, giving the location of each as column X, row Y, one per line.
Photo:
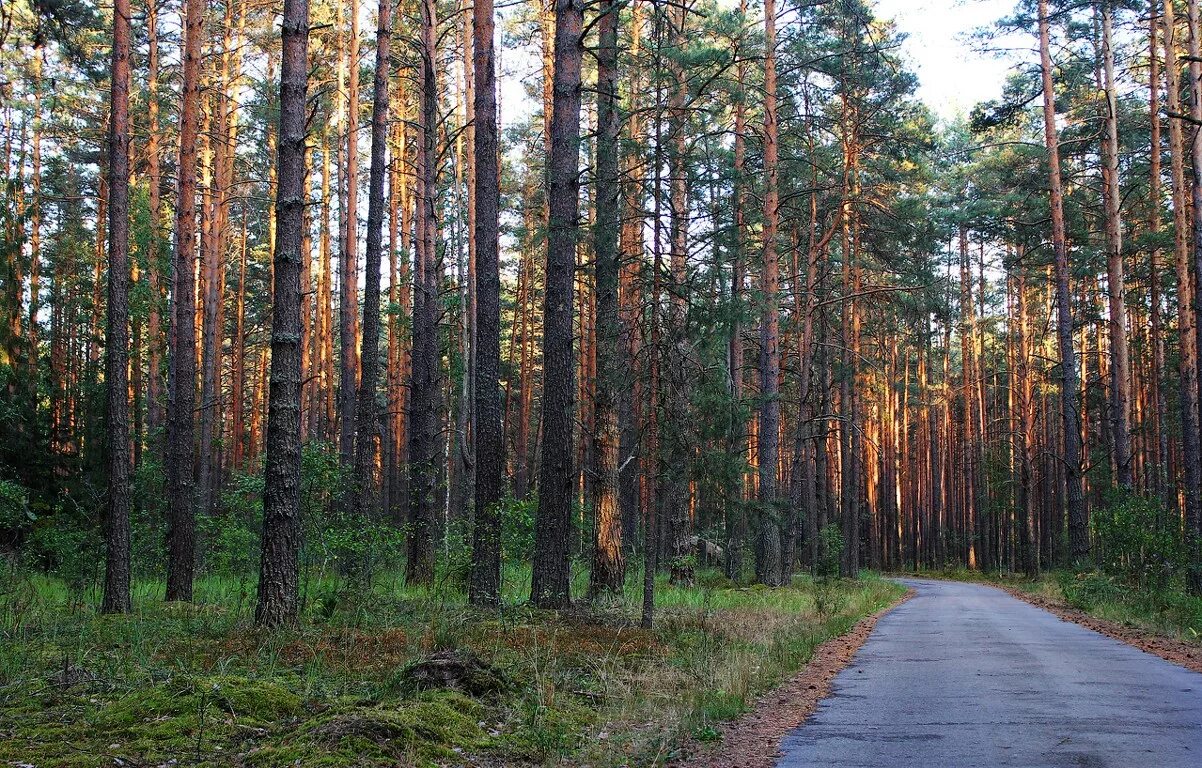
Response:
column 965, row 675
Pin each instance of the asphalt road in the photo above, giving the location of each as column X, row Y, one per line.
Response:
column 965, row 675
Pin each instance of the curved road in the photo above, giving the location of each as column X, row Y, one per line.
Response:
column 965, row 675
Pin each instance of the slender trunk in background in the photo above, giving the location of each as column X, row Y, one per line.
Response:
column 609, row 562
column 1193, row 523
column 768, row 560
column 736, row 514
column 34, row 211
column 348, row 265
column 1120, row 367
column 154, row 330
column 550, row 580
column 1188, row 366
column 238, row 386
column 677, row 442
column 1028, row 507
column 181, row 386
column 1158, row 481
column 325, row 300
column 967, row 370
column 630, row 405
column 116, row 361
column 278, row 568
column 367, row 428
column 489, row 442
column 1078, row 522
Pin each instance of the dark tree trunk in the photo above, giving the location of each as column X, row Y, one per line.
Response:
column 1193, row 422
column 181, row 394
column 278, row 569
column 423, row 387
column 367, row 415
column 550, row 582
column 609, row 562
column 489, row 441
column 116, row 361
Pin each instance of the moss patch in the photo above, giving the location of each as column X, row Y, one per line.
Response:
column 438, row 727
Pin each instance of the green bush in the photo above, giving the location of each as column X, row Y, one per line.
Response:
column 517, row 527
column 15, row 515
column 830, row 549
column 1086, row 590
column 1136, row 541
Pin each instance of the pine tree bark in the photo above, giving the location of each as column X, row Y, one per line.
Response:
column 676, row 422
column 609, row 562
column 367, row 411
column 768, row 559
column 1120, row 366
column 550, row 581
column 1078, row 522
column 1159, row 459
column 181, row 395
column 1193, row 421
column 348, row 266
column 489, row 442
column 116, row 364
column 423, row 386
column 278, row 570
column 736, row 516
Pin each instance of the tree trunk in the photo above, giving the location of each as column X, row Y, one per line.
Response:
column 768, row 562
column 550, row 582
column 278, row 570
column 1120, row 367
column 181, row 395
column 609, row 562
column 116, row 363
column 367, row 427
column 489, row 442
column 348, row 266
column 423, row 387
column 1078, row 522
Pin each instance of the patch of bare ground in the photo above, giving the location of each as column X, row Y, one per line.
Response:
column 1185, row 654
column 753, row 740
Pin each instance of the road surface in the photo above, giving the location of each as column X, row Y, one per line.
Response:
column 965, row 675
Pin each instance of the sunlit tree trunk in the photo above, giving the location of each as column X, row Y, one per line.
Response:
column 1188, row 365
column 1120, row 367
column 1078, row 523
column 348, row 265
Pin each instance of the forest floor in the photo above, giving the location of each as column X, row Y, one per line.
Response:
column 396, row 676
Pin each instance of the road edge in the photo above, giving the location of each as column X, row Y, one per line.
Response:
column 1175, row 651
column 753, row 740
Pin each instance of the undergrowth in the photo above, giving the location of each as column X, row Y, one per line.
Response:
column 199, row 685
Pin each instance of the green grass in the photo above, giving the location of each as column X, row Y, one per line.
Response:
column 1168, row 611
column 200, row 685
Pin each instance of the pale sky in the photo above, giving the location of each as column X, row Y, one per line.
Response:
column 952, row 76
